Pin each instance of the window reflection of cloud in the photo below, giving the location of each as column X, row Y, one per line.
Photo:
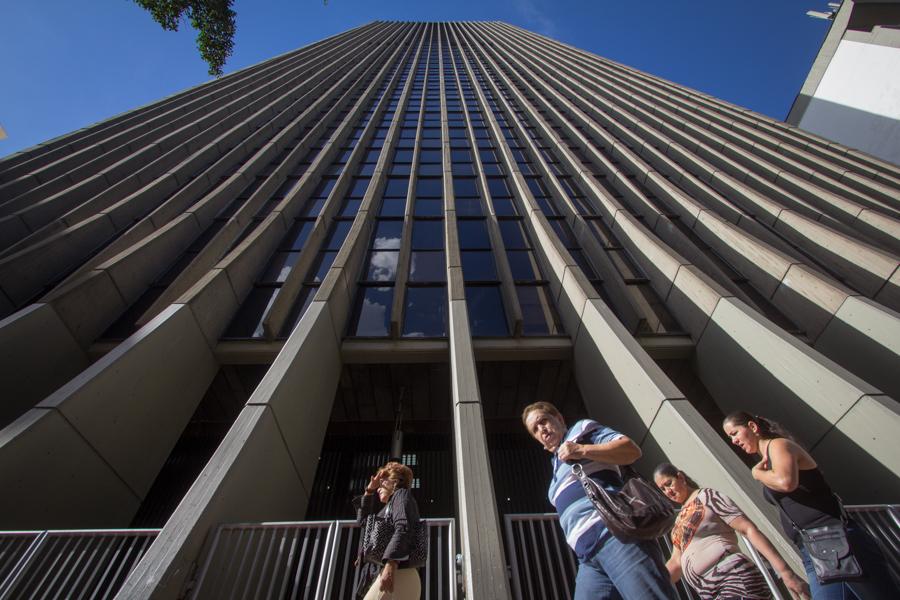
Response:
column 373, row 314
column 383, row 266
column 387, row 243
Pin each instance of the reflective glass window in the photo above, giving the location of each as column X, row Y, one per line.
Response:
column 429, row 187
column 523, row 265
column 498, row 187
column 461, row 156
column 538, row 312
column 298, row 235
column 247, row 322
column 387, row 235
column 427, row 266
column 465, row 187
column 429, row 207
column 307, row 293
column 428, row 235
column 338, row 235
column 486, row 314
column 513, row 236
column 320, row 267
column 392, row 207
column 473, row 234
column 279, row 267
column 374, row 311
column 478, row 265
column 396, row 187
column 430, row 169
column 425, row 312
column 382, row 265
column 313, row 207
column 469, row 207
column 351, row 207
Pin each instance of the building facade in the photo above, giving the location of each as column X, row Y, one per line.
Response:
column 230, row 305
column 851, row 93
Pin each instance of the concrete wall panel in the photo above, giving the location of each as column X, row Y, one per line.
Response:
column 53, row 479
column 37, row 355
column 132, row 405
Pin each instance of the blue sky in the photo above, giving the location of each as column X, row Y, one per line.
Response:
column 65, row 64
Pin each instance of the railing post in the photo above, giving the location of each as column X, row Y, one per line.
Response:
column 323, row 590
column 21, row 567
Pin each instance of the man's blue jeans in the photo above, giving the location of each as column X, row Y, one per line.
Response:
column 624, row 571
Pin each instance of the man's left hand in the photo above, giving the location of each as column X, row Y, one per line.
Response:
column 569, row 451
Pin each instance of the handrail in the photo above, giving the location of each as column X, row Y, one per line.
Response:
column 557, row 561
column 69, row 562
column 313, row 560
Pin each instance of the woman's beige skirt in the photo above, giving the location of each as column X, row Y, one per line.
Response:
column 406, row 587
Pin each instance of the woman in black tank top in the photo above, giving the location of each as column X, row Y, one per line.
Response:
column 794, row 483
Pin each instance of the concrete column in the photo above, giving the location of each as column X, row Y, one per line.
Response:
column 264, row 468
column 484, row 565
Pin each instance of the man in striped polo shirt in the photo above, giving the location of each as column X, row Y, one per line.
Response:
column 607, row 567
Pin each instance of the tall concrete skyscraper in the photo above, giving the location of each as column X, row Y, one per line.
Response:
column 229, row 305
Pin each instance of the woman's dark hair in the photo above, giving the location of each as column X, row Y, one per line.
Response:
column 768, row 429
column 670, row 470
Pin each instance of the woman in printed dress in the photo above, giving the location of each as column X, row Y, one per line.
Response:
column 392, row 577
column 705, row 548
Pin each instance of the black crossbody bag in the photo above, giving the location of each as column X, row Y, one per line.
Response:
column 828, row 546
column 829, row 549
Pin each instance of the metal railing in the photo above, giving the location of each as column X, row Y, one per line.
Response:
column 544, row 567
column 308, row 560
column 883, row 522
column 89, row 564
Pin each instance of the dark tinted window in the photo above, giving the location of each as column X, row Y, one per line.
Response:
column 358, row 187
column 374, row 311
column 538, row 312
column 321, row 266
column 396, row 188
column 392, row 207
column 248, row 321
column 473, row 234
column 478, row 265
column 486, row 315
column 300, row 305
column 298, row 234
column 504, row 207
column 279, row 267
column 469, row 207
column 513, row 236
column 465, row 187
column 427, row 266
column 429, row 187
column 498, row 187
column 523, row 265
column 425, row 314
column 429, row 207
column 387, row 235
column 428, row 235
column 338, row 235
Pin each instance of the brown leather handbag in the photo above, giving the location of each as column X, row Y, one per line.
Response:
column 638, row 511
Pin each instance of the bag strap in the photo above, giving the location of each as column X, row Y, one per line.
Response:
column 799, row 529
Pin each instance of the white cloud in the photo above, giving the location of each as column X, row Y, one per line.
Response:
column 540, row 21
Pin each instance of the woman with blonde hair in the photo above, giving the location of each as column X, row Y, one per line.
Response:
column 705, row 548
column 390, row 576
